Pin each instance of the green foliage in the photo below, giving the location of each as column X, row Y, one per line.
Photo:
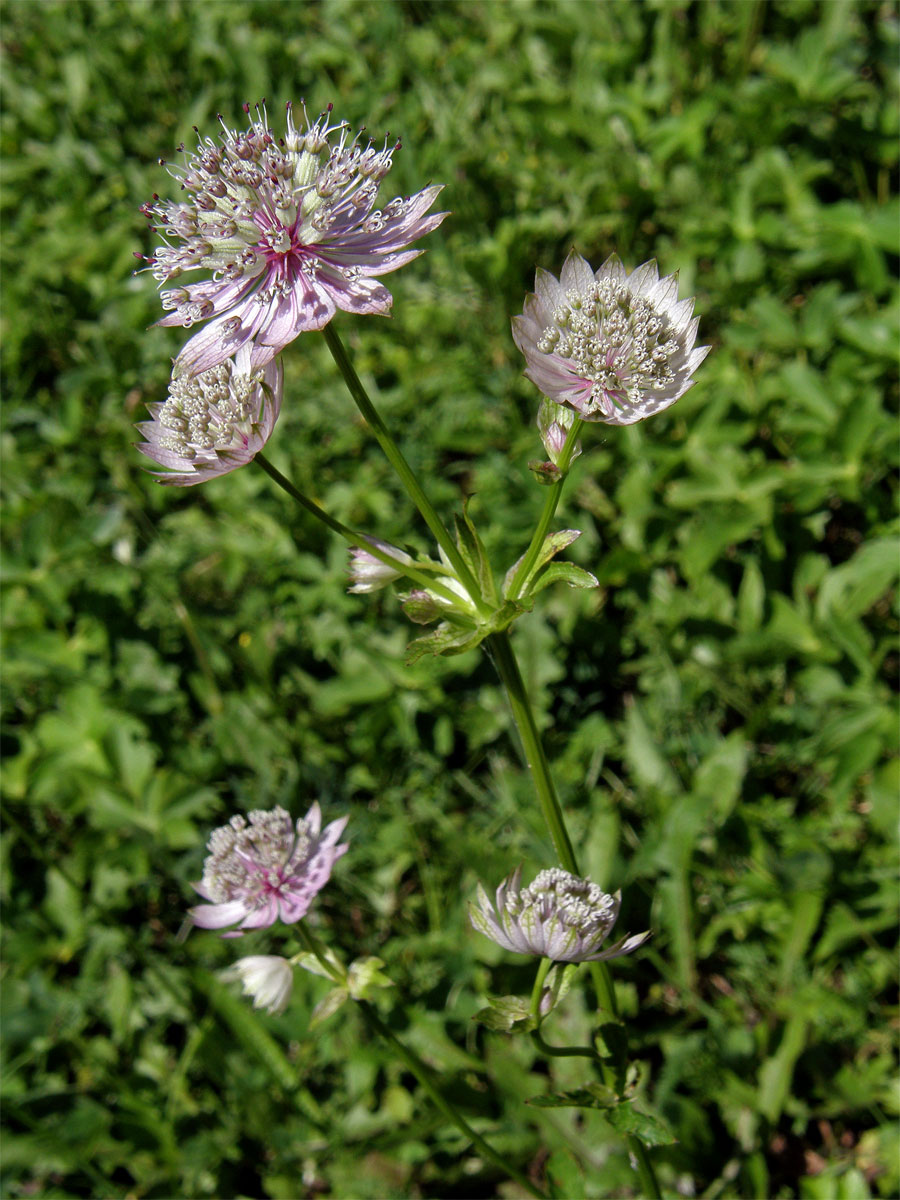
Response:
column 720, row 711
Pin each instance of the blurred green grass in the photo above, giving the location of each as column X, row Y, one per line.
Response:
column 721, row 714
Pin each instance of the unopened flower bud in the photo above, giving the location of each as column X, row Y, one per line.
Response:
column 368, row 573
column 421, row 607
column 554, row 422
column 268, row 978
column 544, row 472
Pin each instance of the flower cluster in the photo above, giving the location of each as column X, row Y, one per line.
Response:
column 286, row 232
column 611, row 346
column 266, row 868
column 558, row 916
column 214, row 422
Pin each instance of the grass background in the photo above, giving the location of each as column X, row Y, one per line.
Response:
column 721, row 713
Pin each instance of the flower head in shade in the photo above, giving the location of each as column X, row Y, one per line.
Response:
column 283, row 232
column 611, row 346
column 558, row 916
column 215, row 422
column 368, row 573
column 268, row 978
column 266, row 868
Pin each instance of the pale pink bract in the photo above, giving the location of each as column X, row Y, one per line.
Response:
column 286, row 233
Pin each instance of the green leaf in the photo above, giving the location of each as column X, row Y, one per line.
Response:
column 310, row 962
column 568, row 573
column 328, row 1006
column 628, row 1120
column 565, row 1176
column 446, row 639
column 364, row 977
column 472, row 549
column 504, row 1013
column 595, row 1095
column 248, row 1028
column 552, row 544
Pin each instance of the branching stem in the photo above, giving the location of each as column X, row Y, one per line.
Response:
column 401, row 466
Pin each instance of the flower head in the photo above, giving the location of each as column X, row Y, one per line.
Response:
column 268, row 978
column 611, row 346
column 284, row 231
column 215, row 422
column 266, row 868
column 368, row 573
column 558, row 916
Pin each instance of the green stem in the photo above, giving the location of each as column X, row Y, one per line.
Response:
column 535, row 1010
column 508, row 670
column 422, row 1072
column 649, row 1186
column 423, row 578
column 550, row 504
column 542, row 971
column 402, row 467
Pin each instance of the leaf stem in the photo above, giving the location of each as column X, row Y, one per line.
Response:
column 401, row 466
column 550, row 504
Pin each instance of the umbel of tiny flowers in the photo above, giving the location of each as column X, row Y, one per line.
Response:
column 611, row 346
column 266, row 868
column 558, row 916
column 284, row 231
column 214, row 422
column 267, row 978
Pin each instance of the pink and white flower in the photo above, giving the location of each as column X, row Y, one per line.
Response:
column 285, row 232
column 266, row 868
column 214, row 422
column 558, row 916
column 612, row 347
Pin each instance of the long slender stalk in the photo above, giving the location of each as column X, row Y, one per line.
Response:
column 423, row 1074
column 401, row 466
column 508, row 668
column 355, row 539
column 554, row 492
column 421, row 1071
